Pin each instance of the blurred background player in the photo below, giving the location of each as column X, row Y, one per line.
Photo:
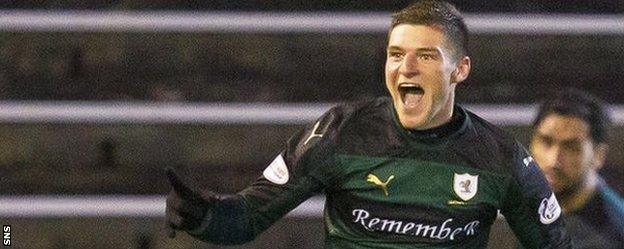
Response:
column 569, row 143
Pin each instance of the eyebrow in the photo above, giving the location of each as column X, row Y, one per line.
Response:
column 425, row 49
column 571, row 140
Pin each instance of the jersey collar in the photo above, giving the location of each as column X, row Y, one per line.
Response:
column 455, row 127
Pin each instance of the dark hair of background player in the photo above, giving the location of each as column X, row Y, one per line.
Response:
column 572, row 102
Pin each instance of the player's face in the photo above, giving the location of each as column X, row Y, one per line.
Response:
column 421, row 75
column 565, row 151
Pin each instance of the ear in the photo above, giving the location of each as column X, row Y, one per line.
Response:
column 461, row 71
column 600, row 155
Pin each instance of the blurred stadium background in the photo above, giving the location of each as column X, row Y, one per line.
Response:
column 97, row 97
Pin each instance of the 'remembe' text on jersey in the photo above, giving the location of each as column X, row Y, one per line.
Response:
column 445, row 231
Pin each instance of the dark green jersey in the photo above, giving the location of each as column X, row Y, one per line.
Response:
column 388, row 187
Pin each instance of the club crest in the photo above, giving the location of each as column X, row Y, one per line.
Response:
column 465, row 185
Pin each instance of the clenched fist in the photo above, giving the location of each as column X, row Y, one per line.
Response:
column 187, row 206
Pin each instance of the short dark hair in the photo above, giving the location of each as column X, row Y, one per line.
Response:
column 436, row 13
column 573, row 102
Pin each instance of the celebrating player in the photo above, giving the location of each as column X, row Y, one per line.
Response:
column 411, row 171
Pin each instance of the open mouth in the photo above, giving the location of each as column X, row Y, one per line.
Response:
column 411, row 93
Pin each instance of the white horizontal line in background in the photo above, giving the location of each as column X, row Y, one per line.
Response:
column 218, row 113
column 50, row 206
column 153, row 112
column 289, row 22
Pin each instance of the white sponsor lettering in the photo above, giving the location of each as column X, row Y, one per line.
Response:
column 360, row 216
column 373, row 222
column 277, row 172
column 455, row 232
column 469, row 228
column 392, row 224
column 446, row 231
column 426, row 228
column 549, row 210
column 408, row 227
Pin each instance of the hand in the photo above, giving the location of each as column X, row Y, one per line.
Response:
column 186, row 205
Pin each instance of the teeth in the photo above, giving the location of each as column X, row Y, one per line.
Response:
column 408, row 85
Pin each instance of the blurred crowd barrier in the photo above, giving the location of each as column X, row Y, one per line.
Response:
column 583, row 6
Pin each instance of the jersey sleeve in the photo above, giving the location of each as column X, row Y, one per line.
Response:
column 531, row 208
column 302, row 169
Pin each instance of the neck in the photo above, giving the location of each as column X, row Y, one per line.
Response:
column 451, row 126
column 444, row 115
column 577, row 199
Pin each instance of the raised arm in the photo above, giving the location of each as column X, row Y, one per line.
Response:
column 301, row 170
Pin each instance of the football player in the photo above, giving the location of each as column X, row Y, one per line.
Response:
column 411, row 171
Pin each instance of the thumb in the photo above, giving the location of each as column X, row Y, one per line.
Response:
column 181, row 188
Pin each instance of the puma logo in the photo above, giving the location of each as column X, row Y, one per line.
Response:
column 465, row 185
column 314, row 134
column 383, row 185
